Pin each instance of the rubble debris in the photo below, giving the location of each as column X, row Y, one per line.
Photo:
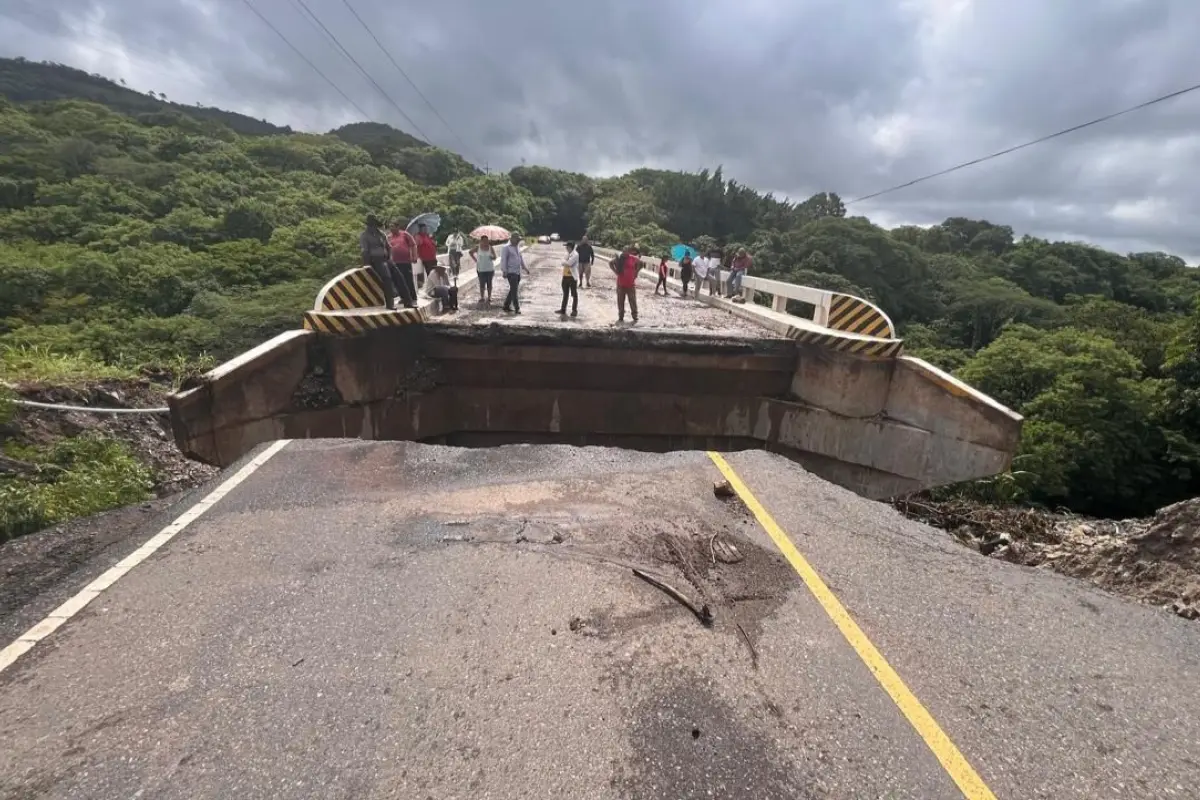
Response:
column 703, row 613
column 1155, row 560
column 723, row 490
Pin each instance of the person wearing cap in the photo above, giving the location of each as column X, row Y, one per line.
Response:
column 438, row 286
column 570, row 281
column 512, row 264
column 375, row 250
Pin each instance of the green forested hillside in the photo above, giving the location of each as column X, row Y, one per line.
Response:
column 132, row 235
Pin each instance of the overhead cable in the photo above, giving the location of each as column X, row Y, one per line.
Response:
column 404, row 74
column 366, row 74
column 1005, row 152
column 298, row 52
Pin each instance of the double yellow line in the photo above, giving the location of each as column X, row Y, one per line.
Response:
column 951, row 759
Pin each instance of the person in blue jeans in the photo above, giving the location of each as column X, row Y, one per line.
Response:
column 737, row 270
column 512, row 264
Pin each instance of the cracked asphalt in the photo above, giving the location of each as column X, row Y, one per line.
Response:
column 395, row 620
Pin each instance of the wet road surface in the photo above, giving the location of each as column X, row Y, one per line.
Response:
column 377, row 620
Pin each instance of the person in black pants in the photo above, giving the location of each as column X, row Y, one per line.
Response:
column 512, row 264
column 375, row 250
column 685, row 271
column 570, row 281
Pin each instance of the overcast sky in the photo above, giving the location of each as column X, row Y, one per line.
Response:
column 791, row 96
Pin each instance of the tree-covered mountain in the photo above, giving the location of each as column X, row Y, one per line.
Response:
column 135, row 231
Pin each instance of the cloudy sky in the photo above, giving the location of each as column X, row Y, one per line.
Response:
column 792, row 96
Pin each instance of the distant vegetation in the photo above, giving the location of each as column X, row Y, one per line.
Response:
column 136, row 231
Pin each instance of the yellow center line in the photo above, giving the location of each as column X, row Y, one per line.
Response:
column 952, row 760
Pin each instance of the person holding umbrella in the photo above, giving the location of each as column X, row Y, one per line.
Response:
column 512, row 264
column 485, row 268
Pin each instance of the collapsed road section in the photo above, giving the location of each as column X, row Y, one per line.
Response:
column 878, row 426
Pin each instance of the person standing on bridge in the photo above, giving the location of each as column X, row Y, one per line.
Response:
column 662, row 277
column 700, row 268
column 685, row 273
column 426, row 251
column 570, row 281
column 485, row 268
column 373, row 245
column 586, row 257
column 627, row 266
column 737, row 270
column 714, row 273
column 512, row 264
column 403, row 247
column 454, row 249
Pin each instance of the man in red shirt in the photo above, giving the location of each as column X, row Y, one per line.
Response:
column 627, row 266
column 426, row 250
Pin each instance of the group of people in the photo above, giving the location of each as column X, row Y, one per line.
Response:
column 704, row 269
column 392, row 258
column 393, row 255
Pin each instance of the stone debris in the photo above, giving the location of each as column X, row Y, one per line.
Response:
column 1155, row 560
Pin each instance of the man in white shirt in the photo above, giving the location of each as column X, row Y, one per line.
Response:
column 570, row 281
column 700, row 270
column 454, row 246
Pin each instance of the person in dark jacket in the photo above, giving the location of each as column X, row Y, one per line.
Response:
column 376, row 251
column 586, row 257
column 685, row 272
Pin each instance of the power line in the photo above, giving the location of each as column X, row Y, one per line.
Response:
column 399, row 69
column 306, row 60
column 1063, row 132
column 366, row 74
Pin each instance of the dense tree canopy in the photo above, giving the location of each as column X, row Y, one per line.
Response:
column 134, row 230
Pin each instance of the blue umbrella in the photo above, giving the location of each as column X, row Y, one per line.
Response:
column 430, row 219
column 681, row 250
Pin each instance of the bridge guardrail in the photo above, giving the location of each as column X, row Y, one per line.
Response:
column 839, row 321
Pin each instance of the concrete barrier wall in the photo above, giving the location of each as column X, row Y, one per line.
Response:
column 880, row 427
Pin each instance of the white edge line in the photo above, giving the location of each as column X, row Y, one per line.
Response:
column 56, row 618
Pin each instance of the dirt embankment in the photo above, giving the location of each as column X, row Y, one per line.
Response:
column 1155, row 560
column 148, row 436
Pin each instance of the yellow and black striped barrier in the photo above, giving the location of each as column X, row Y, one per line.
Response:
column 856, row 345
column 354, row 322
column 353, row 304
column 354, row 288
column 855, row 315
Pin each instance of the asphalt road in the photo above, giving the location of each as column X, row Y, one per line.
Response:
column 541, row 297
column 371, row 620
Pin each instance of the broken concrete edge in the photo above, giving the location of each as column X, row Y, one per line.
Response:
column 959, row 389
column 880, row 427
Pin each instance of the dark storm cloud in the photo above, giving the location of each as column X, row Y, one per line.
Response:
column 794, row 96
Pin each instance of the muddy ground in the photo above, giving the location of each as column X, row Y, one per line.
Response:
column 1155, row 560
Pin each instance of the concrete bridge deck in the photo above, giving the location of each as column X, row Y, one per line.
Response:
column 541, row 296
column 360, row 620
